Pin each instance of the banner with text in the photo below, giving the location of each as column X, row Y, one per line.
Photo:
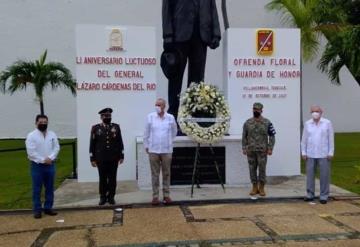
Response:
column 115, row 67
column 264, row 65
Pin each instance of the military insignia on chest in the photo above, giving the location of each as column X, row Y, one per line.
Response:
column 99, row 132
column 113, row 131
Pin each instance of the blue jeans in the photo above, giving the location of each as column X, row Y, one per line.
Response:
column 42, row 174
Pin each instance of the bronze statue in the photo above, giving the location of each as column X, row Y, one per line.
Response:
column 189, row 27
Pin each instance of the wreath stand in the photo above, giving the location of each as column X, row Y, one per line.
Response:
column 196, row 171
column 200, row 103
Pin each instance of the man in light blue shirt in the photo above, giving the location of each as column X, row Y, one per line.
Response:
column 317, row 149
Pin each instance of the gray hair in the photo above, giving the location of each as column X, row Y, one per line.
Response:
column 162, row 100
column 316, row 106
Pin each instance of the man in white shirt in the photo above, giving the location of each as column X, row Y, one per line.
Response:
column 317, row 149
column 42, row 148
column 160, row 131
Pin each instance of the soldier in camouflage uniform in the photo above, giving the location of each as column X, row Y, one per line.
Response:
column 258, row 141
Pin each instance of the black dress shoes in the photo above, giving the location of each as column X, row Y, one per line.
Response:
column 307, row 199
column 111, row 200
column 102, row 201
column 37, row 215
column 50, row 212
column 323, row 201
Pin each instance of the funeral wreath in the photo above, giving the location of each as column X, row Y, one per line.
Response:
column 203, row 113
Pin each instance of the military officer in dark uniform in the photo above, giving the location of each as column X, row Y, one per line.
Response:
column 106, row 153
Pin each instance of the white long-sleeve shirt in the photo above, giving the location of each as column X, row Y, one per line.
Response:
column 159, row 133
column 318, row 139
column 40, row 147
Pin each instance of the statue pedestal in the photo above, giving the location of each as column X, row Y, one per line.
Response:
column 236, row 166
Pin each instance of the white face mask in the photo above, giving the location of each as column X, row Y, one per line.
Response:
column 315, row 115
column 158, row 109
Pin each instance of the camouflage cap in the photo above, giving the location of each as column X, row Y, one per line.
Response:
column 258, row 105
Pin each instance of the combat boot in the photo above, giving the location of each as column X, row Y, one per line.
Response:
column 254, row 190
column 262, row 189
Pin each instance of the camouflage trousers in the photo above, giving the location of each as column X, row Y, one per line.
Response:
column 257, row 159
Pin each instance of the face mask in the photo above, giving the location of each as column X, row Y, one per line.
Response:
column 42, row 127
column 107, row 120
column 315, row 115
column 158, row 109
column 256, row 114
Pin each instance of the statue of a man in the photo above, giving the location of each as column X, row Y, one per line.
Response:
column 189, row 26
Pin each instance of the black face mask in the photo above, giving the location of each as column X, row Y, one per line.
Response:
column 256, row 114
column 107, row 120
column 42, row 127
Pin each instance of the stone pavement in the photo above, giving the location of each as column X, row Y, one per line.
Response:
column 74, row 194
column 210, row 218
column 265, row 223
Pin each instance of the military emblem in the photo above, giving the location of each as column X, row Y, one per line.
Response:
column 116, row 40
column 99, row 132
column 113, row 131
column 265, row 42
column 271, row 130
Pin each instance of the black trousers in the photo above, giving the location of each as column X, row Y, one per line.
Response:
column 194, row 53
column 107, row 178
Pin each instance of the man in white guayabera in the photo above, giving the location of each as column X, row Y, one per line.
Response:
column 317, row 149
column 160, row 131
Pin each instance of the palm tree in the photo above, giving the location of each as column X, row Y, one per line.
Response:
column 342, row 51
column 300, row 13
column 331, row 18
column 40, row 74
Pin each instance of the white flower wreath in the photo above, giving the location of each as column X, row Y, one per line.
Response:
column 199, row 105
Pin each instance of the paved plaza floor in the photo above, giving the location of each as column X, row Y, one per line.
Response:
column 277, row 220
column 74, row 194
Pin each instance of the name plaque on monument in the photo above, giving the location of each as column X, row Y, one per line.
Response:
column 183, row 163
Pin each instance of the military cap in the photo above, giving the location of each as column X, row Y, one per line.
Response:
column 258, row 105
column 106, row 110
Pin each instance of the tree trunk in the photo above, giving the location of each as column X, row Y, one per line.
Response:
column 41, row 107
column 224, row 14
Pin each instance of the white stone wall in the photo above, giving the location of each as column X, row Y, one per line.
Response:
column 28, row 27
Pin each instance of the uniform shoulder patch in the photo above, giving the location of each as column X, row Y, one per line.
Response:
column 271, row 130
